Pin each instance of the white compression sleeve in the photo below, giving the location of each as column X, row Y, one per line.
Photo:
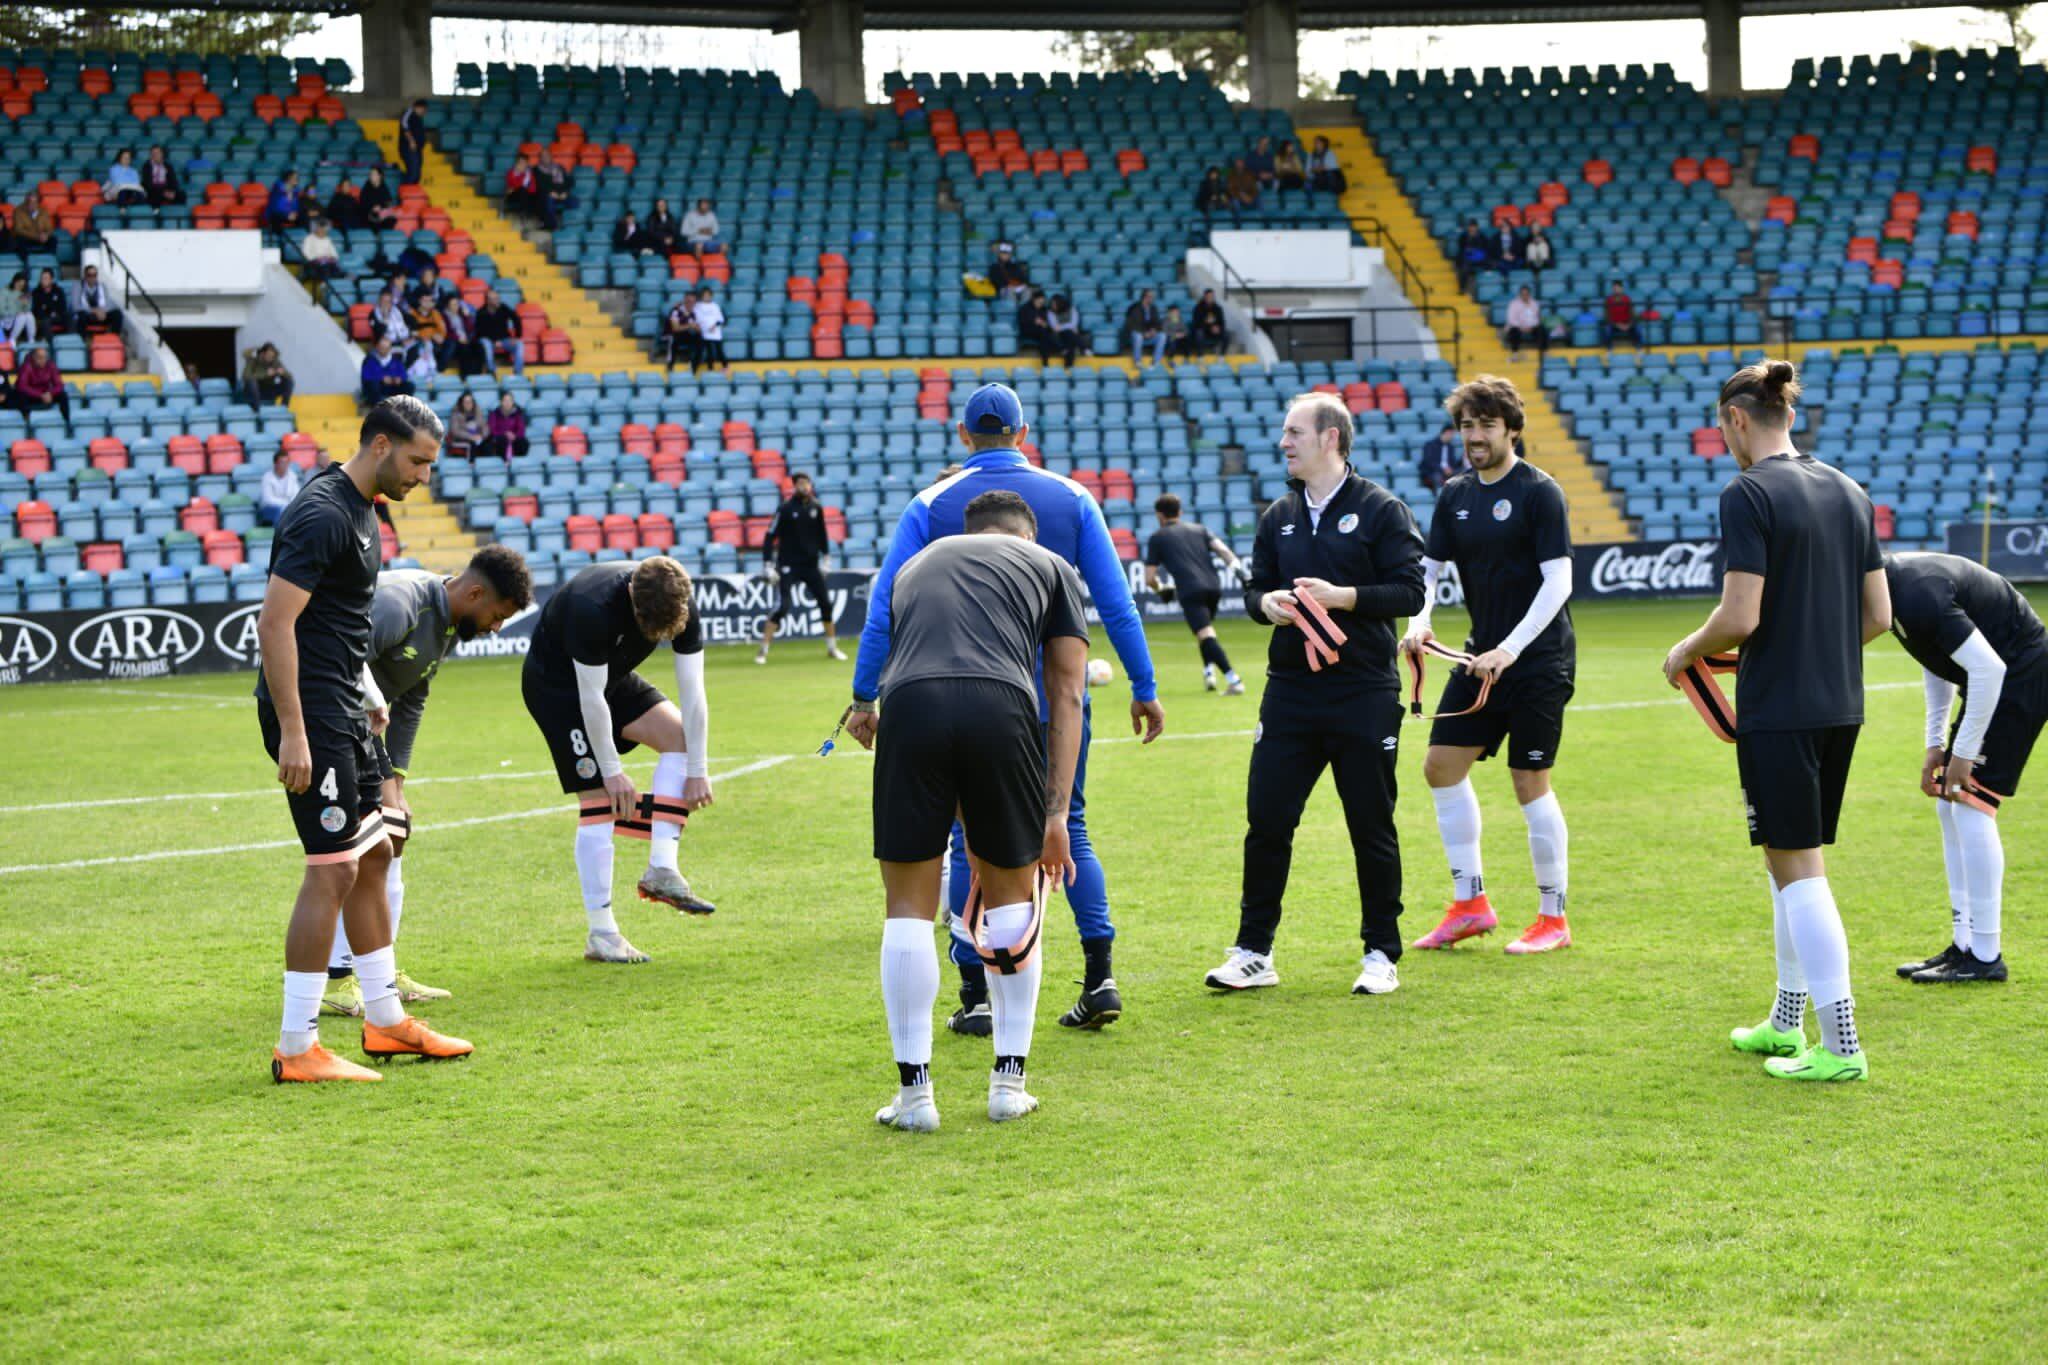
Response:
column 1980, row 696
column 1432, row 573
column 597, row 717
column 1941, row 697
column 373, row 699
column 696, row 709
column 1549, row 601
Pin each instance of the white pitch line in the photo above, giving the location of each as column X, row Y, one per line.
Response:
column 160, row 855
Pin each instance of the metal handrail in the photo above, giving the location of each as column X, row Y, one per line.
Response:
column 130, row 286
column 1412, row 282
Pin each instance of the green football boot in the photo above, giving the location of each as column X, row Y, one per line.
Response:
column 1768, row 1041
column 1818, row 1064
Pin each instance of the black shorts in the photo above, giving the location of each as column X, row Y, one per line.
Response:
column 1527, row 712
column 1792, row 784
column 559, row 713
column 968, row 743
column 1200, row 608
column 2009, row 740
column 788, row 576
column 339, row 816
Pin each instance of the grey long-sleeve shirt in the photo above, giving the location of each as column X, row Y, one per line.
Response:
column 410, row 633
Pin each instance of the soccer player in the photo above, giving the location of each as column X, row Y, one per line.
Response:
column 415, row 619
column 962, row 731
column 1503, row 522
column 1969, row 628
column 581, row 689
column 1183, row 549
column 1352, row 546
column 1803, row 592
column 798, row 546
column 1070, row 524
column 314, row 630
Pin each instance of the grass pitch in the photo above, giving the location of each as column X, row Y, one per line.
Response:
column 679, row 1159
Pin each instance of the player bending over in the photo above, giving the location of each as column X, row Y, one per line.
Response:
column 581, row 689
column 314, row 630
column 1969, row 628
column 415, row 619
column 1184, row 550
column 959, row 728
column 1505, row 525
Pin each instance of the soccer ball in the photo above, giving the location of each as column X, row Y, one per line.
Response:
column 1098, row 673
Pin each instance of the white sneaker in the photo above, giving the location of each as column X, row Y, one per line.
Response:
column 610, row 947
column 835, row 652
column 1243, row 970
column 912, row 1111
column 760, row 656
column 1007, row 1098
column 1208, row 677
column 1376, row 976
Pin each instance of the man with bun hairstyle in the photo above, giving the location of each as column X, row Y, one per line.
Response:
column 1802, row 593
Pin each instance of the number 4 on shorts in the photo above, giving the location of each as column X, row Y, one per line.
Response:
column 327, row 787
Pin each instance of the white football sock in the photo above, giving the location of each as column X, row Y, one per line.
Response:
column 1789, row 1013
column 1013, row 998
column 1958, row 873
column 668, row 781
column 381, row 1005
column 1547, row 851
column 1457, row 820
column 1823, row 947
column 594, row 871
column 340, row 959
column 910, row 986
column 1983, row 858
column 394, row 891
column 301, row 1026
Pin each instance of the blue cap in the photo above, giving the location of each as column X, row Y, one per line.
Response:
column 993, row 410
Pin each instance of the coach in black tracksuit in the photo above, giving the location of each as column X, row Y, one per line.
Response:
column 797, row 542
column 1354, row 546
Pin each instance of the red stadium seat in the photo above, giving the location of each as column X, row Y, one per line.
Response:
column 1118, row 486
column 1781, row 208
column 656, row 531
column 585, row 534
column 1126, row 543
column 187, row 453
column 1887, row 520
column 199, row 516
column 1716, row 171
column 620, row 532
column 1982, row 160
column 556, row 348
column 1708, row 443
column 29, row 457
column 737, row 435
column 570, row 441
column 1392, row 396
column 223, row 549
column 35, row 521
column 224, row 453
column 672, row 437
column 725, row 527
column 755, row 532
column 667, row 466
column 524, row 506
column 104, row 556
column 109, row 454
column 1597, row 172
column 1359, row 398
column 835, row 525
column 1685, row 170
column 769, row 464
column 1804, row 145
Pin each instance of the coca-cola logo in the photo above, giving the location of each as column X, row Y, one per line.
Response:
column 1678, row 566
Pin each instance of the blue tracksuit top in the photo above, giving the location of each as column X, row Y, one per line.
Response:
column 1069, row 524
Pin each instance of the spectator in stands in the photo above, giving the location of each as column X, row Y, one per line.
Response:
column 122, row 184
column 1525, row 324
column 1536, row 251
column 497, row 324
column 467, row 430
column 384, row 373
column 660, row 229
column 160, row 184
column 1442, row 457
column 508, row 430
column 345, row 207
column 710, row 333
column 1472, row 253
column 1212, row 196
column 522, row 192
column 17, row 318
column 1506, row 249
column 39, row 385
column 1243, row 186
column 33, row 223
column 265, row 380
column 1145, row 328
column 700, row 229
column 47, row 302
column 280, row 486
column 1288, row 172
column 1034, row 325
column 557, row 189
column 423, row 309
column 627, row 236
column 285, row 210
column 1009, row 275
column 412, row 141
column 1325, row 171
column 1069, row 337
column 1210, row 332
column 1260, row 164
column 379, row 210
column 679, row 330
column 387, row 319
column 1176, row 329
column 1620, row 320
column 464, row 349
column 92, row 304
column 321, row 262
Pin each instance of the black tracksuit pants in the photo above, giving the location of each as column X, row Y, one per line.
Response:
column 1306, row 725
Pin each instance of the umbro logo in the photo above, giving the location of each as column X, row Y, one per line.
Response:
column 1288, row 529
column 1391, row 743
column 364, row 541
column 409, row 652
column 1535, row 755
column 1464, row 513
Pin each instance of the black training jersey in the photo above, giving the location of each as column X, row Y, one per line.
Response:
column 1938, row 600
column 1499, row 534
column 1182, row 549
column 589, row 620
column 327, row 543
column 979, row 606
column 1812, row 534
column 796, row 535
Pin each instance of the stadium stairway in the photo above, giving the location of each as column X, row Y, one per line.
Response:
column 427, row 530
column 1371, row 192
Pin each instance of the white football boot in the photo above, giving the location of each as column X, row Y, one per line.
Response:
column 1007, row 1098
column 912, row 1111
column 610, row 947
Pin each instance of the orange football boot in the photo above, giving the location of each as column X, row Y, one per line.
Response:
column 316, row 1063
column 1547, row 933
column 1464, row 919
column 411, row 1037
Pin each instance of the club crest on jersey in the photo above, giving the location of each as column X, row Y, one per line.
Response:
column 1348, row 523
column 1502, row 510
column 332, row 819
column 586, row 768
